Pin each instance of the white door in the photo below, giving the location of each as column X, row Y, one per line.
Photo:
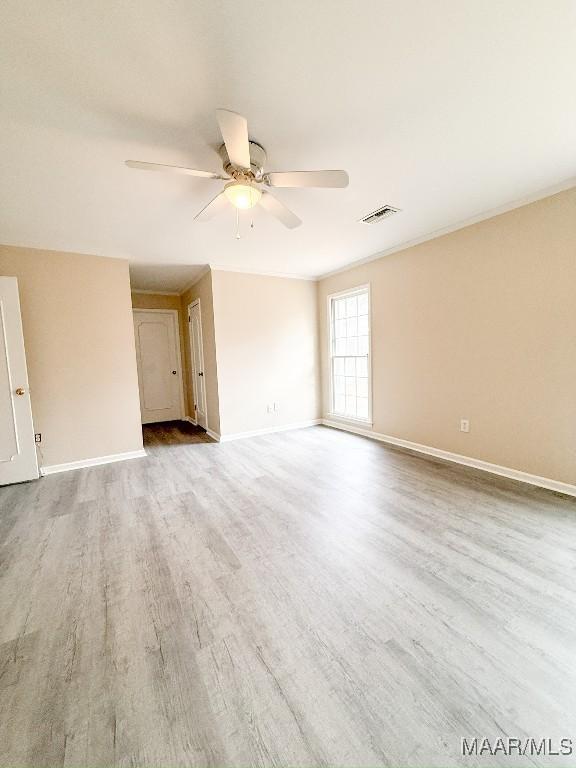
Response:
column 197, row 358
column 17, row 448
column 159, row 369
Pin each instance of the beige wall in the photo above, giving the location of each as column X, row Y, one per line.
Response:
column 79, row 340
column 162, row 301
column 203, row 290
column 154, row 301
column 267, row 349
column 478, row 324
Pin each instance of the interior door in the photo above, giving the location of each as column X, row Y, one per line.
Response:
column 18, row 460
column 159, row 370
column 197, row 358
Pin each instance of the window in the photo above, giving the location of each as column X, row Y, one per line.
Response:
column 350, row 354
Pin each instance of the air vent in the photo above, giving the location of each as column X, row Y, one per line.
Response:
column 379, row 214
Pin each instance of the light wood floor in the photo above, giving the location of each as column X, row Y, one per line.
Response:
column 309, row 598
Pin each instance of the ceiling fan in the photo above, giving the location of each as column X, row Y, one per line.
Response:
column 248, row 183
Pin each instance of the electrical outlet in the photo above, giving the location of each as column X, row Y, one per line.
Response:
column 38, row 437
column 464, row 425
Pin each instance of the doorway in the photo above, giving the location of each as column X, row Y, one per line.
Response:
column 159, row 364
column 197, row 363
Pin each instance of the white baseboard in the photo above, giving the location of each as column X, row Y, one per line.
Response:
column 52, row 469
column 269, row 430
column 190, row 420
column 467, row 461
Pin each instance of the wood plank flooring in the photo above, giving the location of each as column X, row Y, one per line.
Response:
column 308, row 598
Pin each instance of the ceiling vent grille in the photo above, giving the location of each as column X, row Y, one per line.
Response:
column 379, row 214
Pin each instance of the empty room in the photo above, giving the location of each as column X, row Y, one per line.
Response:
column 287, row 383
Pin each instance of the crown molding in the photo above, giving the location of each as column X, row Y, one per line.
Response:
column 462, row 224
column 257, row 272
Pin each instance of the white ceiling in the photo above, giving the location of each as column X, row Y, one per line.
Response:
column 444, row 109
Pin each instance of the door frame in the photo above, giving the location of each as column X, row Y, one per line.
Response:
column 192, row 368
column 176, row 325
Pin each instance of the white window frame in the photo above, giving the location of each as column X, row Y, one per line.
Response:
column 349, row 292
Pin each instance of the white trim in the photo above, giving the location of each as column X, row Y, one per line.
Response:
column 52, row 469
column 154, row 293
column 176, row 323
column 338, row 295
column 213, row 435
column 268, row 430
column 220, row 268
column 350, row 291
column 190, row 420
column 462, row 224
column 193, row 371
column 456, row 458
column 247, row 271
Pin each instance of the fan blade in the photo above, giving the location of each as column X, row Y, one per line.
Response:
column 215, row 205
column 307, row 178
column 172, row 169
column 234, row 130
column 279, row 210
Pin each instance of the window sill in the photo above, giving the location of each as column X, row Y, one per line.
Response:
column 350, row 420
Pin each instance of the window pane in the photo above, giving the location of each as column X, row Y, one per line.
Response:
column 363, row 304
column 350, row 332
column 340, row 308
column 352, row 327
column 340, row 328
column 352, row 346
column 350, row 406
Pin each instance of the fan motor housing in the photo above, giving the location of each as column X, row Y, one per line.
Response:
column 257, row 160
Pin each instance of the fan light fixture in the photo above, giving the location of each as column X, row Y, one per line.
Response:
column 247, row 183
column 242, row 196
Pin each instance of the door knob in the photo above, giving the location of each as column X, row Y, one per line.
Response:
column 19, row 391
